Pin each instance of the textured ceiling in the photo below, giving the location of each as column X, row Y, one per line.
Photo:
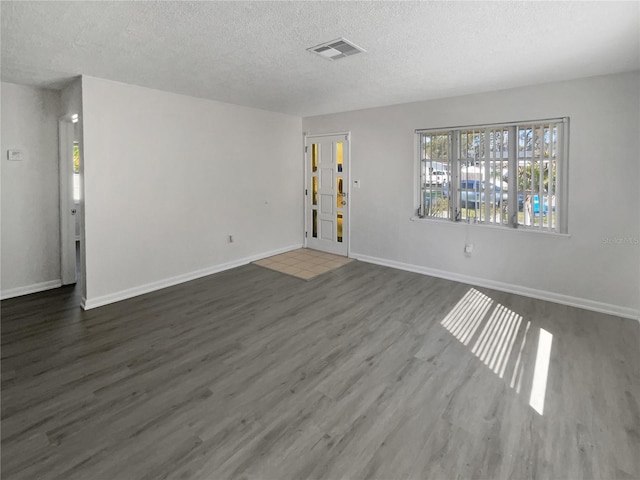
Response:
column 254, row 53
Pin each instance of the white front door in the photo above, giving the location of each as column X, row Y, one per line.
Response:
column 327, row 202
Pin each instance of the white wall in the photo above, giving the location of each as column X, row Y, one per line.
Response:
column 30, row 211
column 71, row 98
column 168, row 177
column 604, row 174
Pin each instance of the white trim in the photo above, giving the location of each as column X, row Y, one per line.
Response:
column 502, row 228
column 88, row 304
column 26, row 290
column 578, row 302
column 349, row 191
column 490, row 125
column 318, row 135
column 305, row 190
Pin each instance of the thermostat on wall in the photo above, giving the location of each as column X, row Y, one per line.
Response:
column 14, row 155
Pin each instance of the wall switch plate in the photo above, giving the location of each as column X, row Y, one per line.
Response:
column 15, row 155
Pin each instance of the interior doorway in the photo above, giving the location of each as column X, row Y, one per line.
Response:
column 70, row 218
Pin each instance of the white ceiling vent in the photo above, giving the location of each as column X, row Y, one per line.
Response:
column 336, row 49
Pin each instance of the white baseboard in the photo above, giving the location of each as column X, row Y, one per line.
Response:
column 26, row 290
column 507, row 287
column 88, row 304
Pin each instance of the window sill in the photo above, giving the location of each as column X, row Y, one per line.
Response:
column 444, row 221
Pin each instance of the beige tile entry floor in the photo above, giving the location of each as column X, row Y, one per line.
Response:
column 303, row 263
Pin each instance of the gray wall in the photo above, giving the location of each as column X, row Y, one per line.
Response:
column 30, row 210
column 581, row 268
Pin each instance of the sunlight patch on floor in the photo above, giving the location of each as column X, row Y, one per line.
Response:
column 541, row 371
column 465, row 318
column 496, row 340
column 502, row 333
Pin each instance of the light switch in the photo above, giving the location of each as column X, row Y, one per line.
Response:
column 14, row 155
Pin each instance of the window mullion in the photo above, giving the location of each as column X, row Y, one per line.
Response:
column 423, row 175
column 454, row 174
column 541, row 180
column 486, row 185
column 549, row 194
column 512, row 159
column 561, row 176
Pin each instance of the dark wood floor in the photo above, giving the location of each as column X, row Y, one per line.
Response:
column 364, row 372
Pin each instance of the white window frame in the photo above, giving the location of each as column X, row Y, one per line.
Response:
column 554, row 199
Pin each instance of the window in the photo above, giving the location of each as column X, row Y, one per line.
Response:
column 505, row 175
column 76, row 172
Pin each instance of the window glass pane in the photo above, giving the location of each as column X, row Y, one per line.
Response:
column 339, row 226
column 76, row 171
column 339, row 156
column 340, row 193
column 314, row 228
column 76, row 157
column 434, row 174
column 314, row 157
column 314, row 190
column 76, row 187
column 537, row 169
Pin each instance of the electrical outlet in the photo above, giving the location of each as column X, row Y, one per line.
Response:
column 468, row 249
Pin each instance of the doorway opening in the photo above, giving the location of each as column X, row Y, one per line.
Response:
column 71, row 257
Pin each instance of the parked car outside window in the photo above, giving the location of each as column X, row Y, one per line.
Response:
column 472, row 193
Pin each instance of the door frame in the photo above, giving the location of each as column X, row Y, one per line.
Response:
column 346, row 226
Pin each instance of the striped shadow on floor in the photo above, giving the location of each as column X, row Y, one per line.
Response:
column 303, row 263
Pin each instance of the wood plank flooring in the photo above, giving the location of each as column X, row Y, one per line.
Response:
column 364, row 372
